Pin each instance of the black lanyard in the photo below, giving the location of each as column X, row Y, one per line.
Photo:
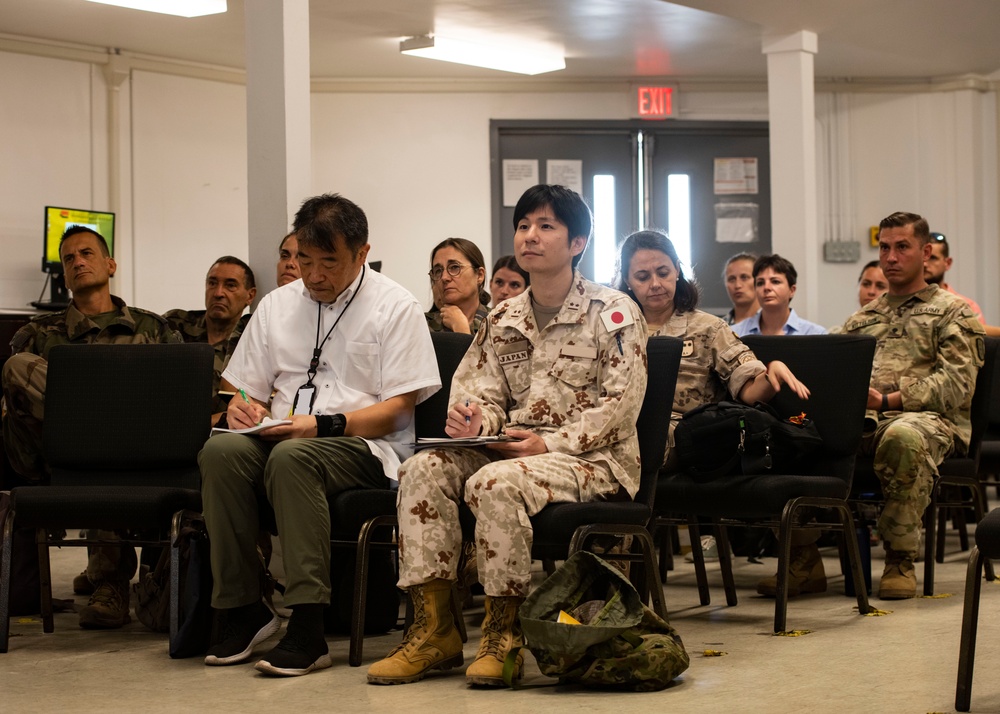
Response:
column 318, row 350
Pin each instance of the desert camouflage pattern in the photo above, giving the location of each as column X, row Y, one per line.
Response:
column 570, row 384
column 713, row 361
column 930, row 349
column 436, row 324
column 25, row 372
column 190, row 324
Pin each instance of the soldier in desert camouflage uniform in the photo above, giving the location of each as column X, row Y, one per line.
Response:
column 94, row 316
column 560, row 368
column 714, row 362
column 229, row 290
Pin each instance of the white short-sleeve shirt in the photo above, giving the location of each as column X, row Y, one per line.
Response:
column 381, row 348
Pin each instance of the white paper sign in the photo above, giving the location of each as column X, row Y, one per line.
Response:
column 735, row 176
column 518, row 176
column 565, row 172
column 734, row 230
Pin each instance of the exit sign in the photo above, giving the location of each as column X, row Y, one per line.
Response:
column 655, row 102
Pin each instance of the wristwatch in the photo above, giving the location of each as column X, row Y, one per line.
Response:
column 330, row 424
column 885, row 402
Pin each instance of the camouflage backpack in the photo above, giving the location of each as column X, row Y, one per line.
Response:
column 620, row 643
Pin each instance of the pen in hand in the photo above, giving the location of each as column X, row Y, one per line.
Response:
column 468, row 419
column 246, row 399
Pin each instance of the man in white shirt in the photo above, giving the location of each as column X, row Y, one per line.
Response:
column 347, row 356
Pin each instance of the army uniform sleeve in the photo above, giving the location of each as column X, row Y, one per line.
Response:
column 25, row 340
column 733, row 361
column 620, row 387
column 480, row 379
column 961, row 350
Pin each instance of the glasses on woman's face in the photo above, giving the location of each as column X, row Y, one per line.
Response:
column 454, row 270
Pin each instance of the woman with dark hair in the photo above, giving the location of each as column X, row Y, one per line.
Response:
column 509, row 279
column 714, row 360
column 457, row 275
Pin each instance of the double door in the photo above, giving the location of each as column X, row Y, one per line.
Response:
column 705, row 183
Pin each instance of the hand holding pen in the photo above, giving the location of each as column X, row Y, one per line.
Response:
column 464, row 419
column 244, row 413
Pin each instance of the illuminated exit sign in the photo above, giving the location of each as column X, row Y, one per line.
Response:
column 655, row 102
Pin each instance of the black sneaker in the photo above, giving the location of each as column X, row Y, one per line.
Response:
column 302, row 649
column 242, row 629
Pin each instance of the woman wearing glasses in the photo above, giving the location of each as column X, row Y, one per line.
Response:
column 457, row 274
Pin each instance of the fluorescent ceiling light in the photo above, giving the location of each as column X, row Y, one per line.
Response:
column 184, row 8
column 510, row 58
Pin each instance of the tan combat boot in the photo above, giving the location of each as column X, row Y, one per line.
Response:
column 501, row 633
column 899, row 581
column 431, row 642
column 805, row 573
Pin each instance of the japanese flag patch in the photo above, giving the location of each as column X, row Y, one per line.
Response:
column 616, row 318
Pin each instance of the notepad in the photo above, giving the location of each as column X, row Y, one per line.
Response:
column 427, row 443
column 267, row 423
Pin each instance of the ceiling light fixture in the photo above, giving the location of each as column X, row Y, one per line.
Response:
column 183, row 8
column 511, row 58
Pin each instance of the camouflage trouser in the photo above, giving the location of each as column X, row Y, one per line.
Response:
column 502, row 494
column 907, row 450
column 24, row 377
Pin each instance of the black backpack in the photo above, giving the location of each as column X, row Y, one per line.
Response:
column 730, row 438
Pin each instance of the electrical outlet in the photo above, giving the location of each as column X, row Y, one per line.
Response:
column 842, row 251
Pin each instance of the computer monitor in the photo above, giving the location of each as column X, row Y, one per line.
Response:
column 57, row 220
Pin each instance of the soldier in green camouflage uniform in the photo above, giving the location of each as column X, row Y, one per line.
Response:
column 929, row 350
column 229, row 289
column 94, row 316
column 567, row 383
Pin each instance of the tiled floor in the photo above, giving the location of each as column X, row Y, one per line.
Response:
column 905, row 661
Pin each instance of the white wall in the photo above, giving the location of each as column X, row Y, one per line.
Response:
column 46, row 158
column 189, row 177
column 419, row 166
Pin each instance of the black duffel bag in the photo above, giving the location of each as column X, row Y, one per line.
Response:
column 729, row 438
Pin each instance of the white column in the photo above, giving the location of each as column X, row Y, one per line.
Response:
column 279, row 174
column 794, row 214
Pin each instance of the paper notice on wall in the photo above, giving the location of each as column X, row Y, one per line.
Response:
column 736, row 222
column 735, row 176
column 518, row 176
column 565, row 172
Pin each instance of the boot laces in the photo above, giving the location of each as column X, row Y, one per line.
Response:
column 108, row 595
column 419, row 620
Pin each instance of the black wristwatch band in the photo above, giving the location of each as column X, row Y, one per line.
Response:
column 885, row 402
column 330, row 424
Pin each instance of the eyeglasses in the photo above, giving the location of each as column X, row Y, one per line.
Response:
column 454, row 270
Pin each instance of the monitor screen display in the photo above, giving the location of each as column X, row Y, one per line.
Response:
column 57, row 220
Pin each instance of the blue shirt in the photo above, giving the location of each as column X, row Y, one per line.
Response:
column 794, row 326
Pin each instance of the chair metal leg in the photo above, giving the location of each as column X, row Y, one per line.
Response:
column 361, row 563
column 694, row 531
column 45, row 579
column 970, row 619
column 942, row 531
column 854, row 557
column 726, row 563
column 979, row 507
column 6, row 553
column 930, row 523
column 645, row 542
column 959, row 523
column 175, row 574
column 784, row 558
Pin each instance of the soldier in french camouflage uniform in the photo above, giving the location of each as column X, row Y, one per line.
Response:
column 458, row 279
column 229, row 289
column 94, row 316
column 561, row 369
column 714, row 361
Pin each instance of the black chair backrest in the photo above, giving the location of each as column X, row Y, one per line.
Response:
column 982, row 399
column 653, row 424
column 431, row 414
column 118, row 413
column 837, row 370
